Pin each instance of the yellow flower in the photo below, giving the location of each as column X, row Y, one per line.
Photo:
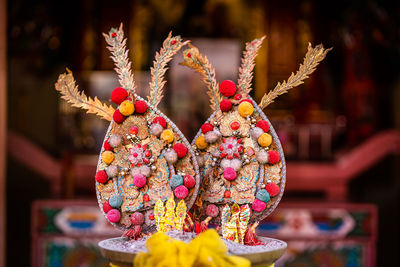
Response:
column 107, row 157
column 126, row 108
column 167, row 135
column 206, row 250
column 201, row 142
column 245, row 109
column 264, row 140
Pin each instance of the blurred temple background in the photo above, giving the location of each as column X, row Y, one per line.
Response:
column 339, row 131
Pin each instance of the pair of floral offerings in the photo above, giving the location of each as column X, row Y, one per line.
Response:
column 151, row 179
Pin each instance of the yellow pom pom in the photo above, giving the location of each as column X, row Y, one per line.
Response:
column 107, row 157
column 201, row 142
column 264, row 140
column 245, row 109
column 126, row 108
column 167, row 135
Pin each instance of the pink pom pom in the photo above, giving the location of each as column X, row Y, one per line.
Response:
column 114, row 215
column 137, row 218
column 258, row 205
column 139, row 180
column 181, row 192
column 212, row 210
column 273, row 189
column 229, row 174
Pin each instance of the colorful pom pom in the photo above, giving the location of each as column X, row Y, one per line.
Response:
column 245, row 109
column 140, row 106
column 227, row 88
column 264, row 140
column 160, row 120
column 176, row 180
column 106, row 207
column 212, row 137
column 115, row 201
column 256, row 132
column 167, row 136
column 126, row 108
column 263, row 195
column 258, row 205
column 118, row 95
column 180, row 150
column 107, row 157
column 139, row 180
column 274, row 157
column 229, row 174
column 101, row 177
column 181, row 192
column 137, row 218
column 262, row 156
column 107, row 146
column 189, row 181
column 206, row 127
column 273, row 189
column 118, row 117
column 263, row 125
column 115, row 140
column 212, row 211
column 225, row 105
column 156, row 129
column 114, row 215
column 170, row 156
column 112, row 170
column 201, row 142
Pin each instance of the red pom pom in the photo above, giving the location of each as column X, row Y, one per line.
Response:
column 238, row 96
column 212, row 211
column 227, row 194
column 180, row 150
column 225, row 105
column 118, row 95
column 107, row 207
column 263, row 125
column 189, row 181
column 273, row 157
column 206, row 127
column 140, row 107
column 107, row 146
column 227, row 88
column 118, row 117
column 161, row 121
column 137, row 218
column 146, row 197
column 246, row 100
column 272, row 189
column 101, row 177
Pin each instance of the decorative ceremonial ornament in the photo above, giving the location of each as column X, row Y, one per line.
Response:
column 145, row 159
column 241, row 158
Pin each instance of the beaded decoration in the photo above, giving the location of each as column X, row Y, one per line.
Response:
column 145, row 158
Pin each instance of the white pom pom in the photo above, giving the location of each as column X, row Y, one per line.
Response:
column 212, row 136
column 236, row 164
column 115, row 140
column 145, row 170
column 256, row 132
column 171, row 156
column 112, row 170
column 156, row 129
column 225, row 163
column 135, row 170
column 262, row 156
